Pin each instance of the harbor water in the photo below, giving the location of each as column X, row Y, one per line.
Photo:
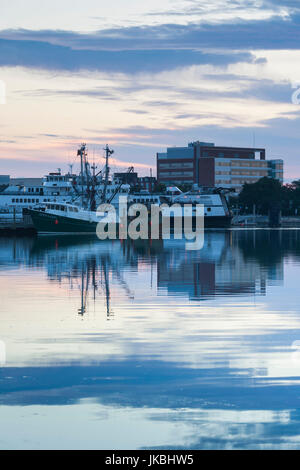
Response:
column 144, row 345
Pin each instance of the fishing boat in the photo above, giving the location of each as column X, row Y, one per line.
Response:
column 80, row 216
column 56, row 187
column 65, row 219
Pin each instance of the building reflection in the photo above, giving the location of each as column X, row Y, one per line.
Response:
column 177, row 352
column 231, row 263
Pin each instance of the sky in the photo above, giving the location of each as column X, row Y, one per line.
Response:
column 142, row 76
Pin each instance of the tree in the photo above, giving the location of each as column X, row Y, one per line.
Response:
column 291, row 198
column 264, row 194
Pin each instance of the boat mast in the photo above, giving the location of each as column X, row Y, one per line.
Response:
column 108, row 153
column 93, row 189
column 130, row 170
column 82, row 153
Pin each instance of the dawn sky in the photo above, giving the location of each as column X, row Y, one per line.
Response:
column 142, row 78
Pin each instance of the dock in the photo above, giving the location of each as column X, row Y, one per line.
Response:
column 24, row 226
column 16, row 226
column 262, row 221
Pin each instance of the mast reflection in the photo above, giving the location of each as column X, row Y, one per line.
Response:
column 231, row 263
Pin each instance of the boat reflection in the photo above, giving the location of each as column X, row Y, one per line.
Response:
column 190, row 349
column 231, row 263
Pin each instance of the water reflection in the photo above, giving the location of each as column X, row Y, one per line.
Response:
column 231, row 263
column 196, row 352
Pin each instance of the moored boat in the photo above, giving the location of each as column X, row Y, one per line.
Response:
column 65, row 219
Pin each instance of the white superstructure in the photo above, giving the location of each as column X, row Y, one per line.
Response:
column 55, row 188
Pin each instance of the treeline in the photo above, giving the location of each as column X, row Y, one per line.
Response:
column 266, row 194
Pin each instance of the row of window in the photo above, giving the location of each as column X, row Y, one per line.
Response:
column 25, row 201
column 176, row 165
column 56, row 207
column 213, row 154
column 144, row 201
column 28, row 201
column 32, row 190
column 241, row 163
column 176, row 173
column 58, row 178
column 241, row 181
column 250, row 173
column 122, row 190
column 244, row 172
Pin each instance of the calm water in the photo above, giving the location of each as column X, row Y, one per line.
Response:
column 130, row 346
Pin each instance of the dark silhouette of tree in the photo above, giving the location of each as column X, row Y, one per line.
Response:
column 264, row 194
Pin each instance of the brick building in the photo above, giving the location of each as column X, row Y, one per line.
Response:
column 147, row 183
column 205, row 164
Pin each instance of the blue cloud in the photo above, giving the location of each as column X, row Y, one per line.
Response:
column 37, row 54
column 237, row 34
column 149, row 48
